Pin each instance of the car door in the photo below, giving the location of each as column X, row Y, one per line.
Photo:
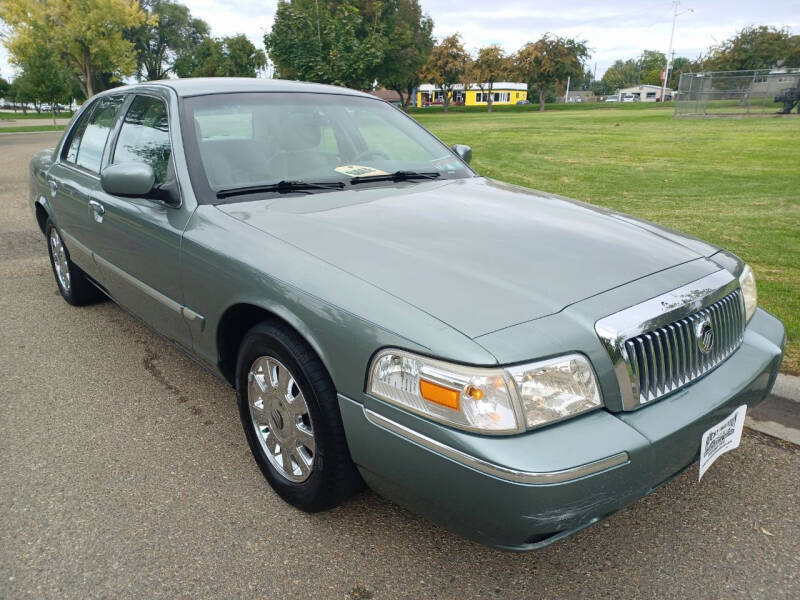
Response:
column 137, row 240
column 75, row 177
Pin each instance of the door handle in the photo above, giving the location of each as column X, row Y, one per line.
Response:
column 53, row 186
column 98, row 210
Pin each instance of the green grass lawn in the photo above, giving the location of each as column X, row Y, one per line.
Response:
column 734, row 182
column 30, row 128
column 32, row 114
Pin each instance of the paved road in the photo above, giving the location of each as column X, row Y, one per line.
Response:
column 124, row 473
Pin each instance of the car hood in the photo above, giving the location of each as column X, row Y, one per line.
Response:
column 476, row 254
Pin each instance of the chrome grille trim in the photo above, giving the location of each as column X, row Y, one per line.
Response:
column 653, row 345
column 673, row 342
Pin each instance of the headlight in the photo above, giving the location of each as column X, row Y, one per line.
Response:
column 747, row 282
column 486, row 400
column 556, row 389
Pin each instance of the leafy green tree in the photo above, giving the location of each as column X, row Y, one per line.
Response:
column 620, row 75
column 651, row 65
column 169, row 32
column 326, row 42
column 234, row 56
column 446, row 66
column 409, row 44
column 490, row 65
column 43, row 79
column 755, row 47
column 4, row 88
column 680, row 64
column 86, row 35
column 549, row 60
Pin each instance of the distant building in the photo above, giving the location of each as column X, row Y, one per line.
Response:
column 389, row 96
column 645, row 93
column 581, row 96
column 503, row 92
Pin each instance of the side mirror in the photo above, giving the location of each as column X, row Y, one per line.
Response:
column 128, row 179
column 465, row 152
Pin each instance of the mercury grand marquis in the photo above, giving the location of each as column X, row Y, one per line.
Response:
column 512, row 364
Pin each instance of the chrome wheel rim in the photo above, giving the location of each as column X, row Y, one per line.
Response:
column 281, row 420
column 59, row 254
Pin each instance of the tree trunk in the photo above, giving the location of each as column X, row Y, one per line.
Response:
column 446, row 98
column 404, row 100
column 88, row 87
column 541, row 99
column 411, row 98
column 489, row 100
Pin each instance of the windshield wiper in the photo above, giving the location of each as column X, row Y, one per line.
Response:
column 396, row 176
column 282, row 187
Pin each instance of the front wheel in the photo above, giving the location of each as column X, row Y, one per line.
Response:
column 290, row 414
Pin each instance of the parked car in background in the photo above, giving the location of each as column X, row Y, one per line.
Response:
column 614, row 98
column 523, row 102
column 513, row 364
column 629, row 98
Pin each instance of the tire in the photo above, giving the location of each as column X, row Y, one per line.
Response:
column 275, row 370
column 72, row 282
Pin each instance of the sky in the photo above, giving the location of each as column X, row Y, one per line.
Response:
column 613, row 29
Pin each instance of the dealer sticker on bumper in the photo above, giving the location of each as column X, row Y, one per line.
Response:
column 721, row 438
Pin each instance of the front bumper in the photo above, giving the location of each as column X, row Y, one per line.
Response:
column 526, row 491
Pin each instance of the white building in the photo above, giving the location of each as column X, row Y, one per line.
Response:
column 645, row 93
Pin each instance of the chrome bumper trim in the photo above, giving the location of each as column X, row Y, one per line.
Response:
column 527, row 477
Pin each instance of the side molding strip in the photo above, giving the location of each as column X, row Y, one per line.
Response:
column 528, row 477
column 153, row 293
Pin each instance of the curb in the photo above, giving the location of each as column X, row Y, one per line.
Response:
column 787, row 386
column 779, row 415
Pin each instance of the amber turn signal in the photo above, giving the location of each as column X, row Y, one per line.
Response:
column 433, row 392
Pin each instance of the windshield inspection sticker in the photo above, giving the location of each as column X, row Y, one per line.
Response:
column 359, row 171
column 721, row 438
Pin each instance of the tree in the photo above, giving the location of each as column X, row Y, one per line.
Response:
column 160, row 40
column 43, row 78
column 620, row 75
column 409, row 44
column 681, row 64
column 651, row 66
column 446, row 66
column 327, row 42
column 489, row 66
column 549, row 60
column 5, row 87
column 234, row 56
column 756, row 47
column 86, row 35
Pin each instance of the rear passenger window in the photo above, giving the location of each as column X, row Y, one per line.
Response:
column 88, row 141
column 144, row 136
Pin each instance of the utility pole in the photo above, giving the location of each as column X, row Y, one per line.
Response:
column 668, row 68
column 566, row 94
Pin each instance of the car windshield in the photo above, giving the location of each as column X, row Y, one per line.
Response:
column 259, row 140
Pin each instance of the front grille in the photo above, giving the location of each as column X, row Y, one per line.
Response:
column 664, row 359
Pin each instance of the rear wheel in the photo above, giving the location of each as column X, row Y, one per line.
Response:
column 290, row 414
column 72, row 282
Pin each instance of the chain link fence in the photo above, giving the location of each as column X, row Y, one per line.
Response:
column 735, row 93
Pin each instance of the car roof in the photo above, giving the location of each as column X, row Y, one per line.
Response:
column 203, row 86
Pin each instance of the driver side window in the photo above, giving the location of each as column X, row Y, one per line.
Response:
column 144, row 136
